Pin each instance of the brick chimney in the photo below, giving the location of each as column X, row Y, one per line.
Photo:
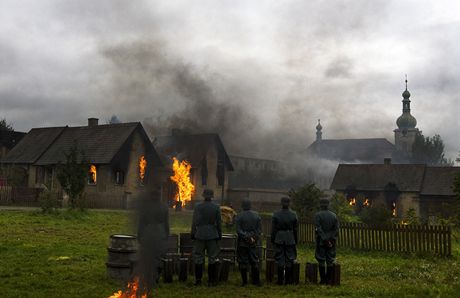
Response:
column 93, row 122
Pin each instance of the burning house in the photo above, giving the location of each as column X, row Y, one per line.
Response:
column 121, row 159
column 398, row 187
column 197, row 161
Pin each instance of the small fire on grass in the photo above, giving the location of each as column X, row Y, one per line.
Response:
column 181, row 177
column 131, row 291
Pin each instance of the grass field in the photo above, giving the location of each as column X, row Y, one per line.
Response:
column 63, row 255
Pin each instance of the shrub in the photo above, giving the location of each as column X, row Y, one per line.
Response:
column 48, row 201
column 378, row 215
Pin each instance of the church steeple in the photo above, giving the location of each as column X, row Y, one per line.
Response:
column 406, row 120
column 406, row 131
column 319, row 134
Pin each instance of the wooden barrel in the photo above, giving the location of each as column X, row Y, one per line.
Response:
column 311, row 273
column 335, row 275
column 168, row 270
column 122, row 253
column 224, row 269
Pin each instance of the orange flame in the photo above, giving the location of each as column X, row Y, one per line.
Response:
column 393, row 209
column 93, row 174
column 181, row 177
column 366, row 203
column 142, row 166
column 131, row 291
column 352, row 202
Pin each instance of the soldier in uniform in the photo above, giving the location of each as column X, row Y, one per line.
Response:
column 248, row 229
column 284, row 237
column 327, row 231
column 206, row 231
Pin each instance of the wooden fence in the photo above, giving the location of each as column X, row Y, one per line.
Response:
column 20, row 196
column 393, row 238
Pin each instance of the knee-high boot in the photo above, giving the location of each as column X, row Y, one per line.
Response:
column 255, row 276
column 198, row 274
column 322, row 275
column 280, row 275
column 244, row 276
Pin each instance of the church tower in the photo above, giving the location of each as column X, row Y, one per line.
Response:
column 406, row 131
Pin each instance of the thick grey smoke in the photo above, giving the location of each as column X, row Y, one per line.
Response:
column 258, row 72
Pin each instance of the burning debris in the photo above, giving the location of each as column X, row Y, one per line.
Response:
column 142, row 167
column 181, row 177
column 131, row 291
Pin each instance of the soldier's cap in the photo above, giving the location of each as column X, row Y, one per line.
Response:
column 323, row 202
column 285, row 200
column 246, row 204
column 208, row 193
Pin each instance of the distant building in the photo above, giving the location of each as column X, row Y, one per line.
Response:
column 371, row 150
column 121, row 160
column 398, row 187
column 263, row 181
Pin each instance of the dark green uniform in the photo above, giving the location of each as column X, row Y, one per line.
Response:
column 284, row 236
column 206, row 231
column 327, row 231
column 248, row 228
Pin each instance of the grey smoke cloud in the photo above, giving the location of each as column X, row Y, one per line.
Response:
column 260, row 73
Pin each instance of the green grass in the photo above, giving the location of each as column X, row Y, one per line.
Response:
column 63, row 255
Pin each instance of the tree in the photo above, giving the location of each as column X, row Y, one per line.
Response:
column 5, row 125
column 340, row 206
column 72, row 176
column 305, row 200
column 429, row 150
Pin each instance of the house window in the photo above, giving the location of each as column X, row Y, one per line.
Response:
column 142, row 168
column 92, row 175
column 119, row 177
column 40, row 175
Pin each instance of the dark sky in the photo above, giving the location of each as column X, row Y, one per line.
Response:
column 259, row 72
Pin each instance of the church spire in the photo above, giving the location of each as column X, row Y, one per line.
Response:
column 319, row 134
column 406, row 120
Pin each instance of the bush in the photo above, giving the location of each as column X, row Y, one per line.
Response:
column 48, row 201
column 378, row 215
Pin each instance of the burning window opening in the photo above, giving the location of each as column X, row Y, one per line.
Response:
column 131, row 291
column 181, row 177
column 393, row 209
column 352, row 202
column 366, row 203
column 92, row 175
column 142, row 167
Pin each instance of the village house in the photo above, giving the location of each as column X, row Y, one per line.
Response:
column 121, row 160
column 399, row 187
column 210, row 163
